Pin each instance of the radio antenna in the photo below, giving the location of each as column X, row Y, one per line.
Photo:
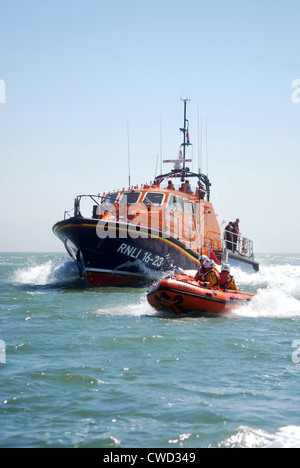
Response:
column 129, row 178
column 184, row 130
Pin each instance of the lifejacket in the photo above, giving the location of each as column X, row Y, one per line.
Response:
column 227, row 281
column 187, row 188
column 200, row 193
column 236, row 228
column 199, row 274
column 212, row 277
column 170, row 187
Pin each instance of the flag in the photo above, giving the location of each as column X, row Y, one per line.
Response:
column 212, row 256
column 188, row 136
column 180, row 155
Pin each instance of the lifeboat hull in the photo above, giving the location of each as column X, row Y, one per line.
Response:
column 122, row 261
column 182, row 294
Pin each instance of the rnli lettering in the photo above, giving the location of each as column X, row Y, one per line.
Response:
column 138, row 254
column 130, row 251
column 186, row 287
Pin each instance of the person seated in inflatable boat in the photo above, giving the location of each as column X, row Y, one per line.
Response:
column 226, row 280
column 201, row 270
column 211, row 276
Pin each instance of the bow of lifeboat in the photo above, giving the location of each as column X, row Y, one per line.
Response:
column 182, row 294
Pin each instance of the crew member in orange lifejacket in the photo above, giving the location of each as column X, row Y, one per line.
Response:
column 200, row 191
column 170, row 185
column 226, row 280
column 211, row 275
column 186, row 188
column 201, row 271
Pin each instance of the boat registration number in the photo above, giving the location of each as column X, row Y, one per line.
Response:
column 139, row 254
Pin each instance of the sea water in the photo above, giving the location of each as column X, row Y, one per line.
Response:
column 96, row 367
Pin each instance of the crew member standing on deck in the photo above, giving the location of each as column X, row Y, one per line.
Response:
column 200, row 191
column 237, row 226
column 170, row 185
column 229, row 236
column 186, row 188
column 236, row 233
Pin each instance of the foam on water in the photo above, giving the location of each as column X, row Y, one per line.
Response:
column 286, row 437
column 277, row 287
column 226, row 382
column 247, row 437
column 50, row 273
column 277, row 291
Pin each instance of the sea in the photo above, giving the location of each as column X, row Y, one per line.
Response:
column 94, row 367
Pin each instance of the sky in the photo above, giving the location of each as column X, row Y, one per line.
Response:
column 78, row 73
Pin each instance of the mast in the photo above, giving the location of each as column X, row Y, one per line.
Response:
column 128, row 150
column 184, row 130
column 185, row 172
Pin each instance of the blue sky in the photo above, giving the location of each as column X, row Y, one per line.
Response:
column 77, row 71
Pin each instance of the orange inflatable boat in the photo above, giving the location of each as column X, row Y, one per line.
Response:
column 181, row 294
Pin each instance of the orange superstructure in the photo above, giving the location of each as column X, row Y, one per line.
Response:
column 172, row 213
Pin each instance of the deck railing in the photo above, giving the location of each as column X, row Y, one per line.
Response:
column 238, row 244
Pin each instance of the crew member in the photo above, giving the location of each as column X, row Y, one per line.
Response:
column 201, row 270
column 211, row 275
column 236, row 226
column 226, row 280
column 200, row 191
column 170, row 185
column 229, row 236
column 236, row 233
column 186, row 188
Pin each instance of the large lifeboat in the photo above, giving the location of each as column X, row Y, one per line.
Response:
column 182, row 294
column 131, row 235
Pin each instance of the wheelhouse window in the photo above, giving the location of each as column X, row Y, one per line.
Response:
column 171, row 204
column 130, row 198
column 179, row 203
column 187, row 206
column 193, row 204
column 153, row 199
column 110, row 198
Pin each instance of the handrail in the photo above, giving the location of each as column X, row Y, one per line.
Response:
column 238, row 244
column 76, row 208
